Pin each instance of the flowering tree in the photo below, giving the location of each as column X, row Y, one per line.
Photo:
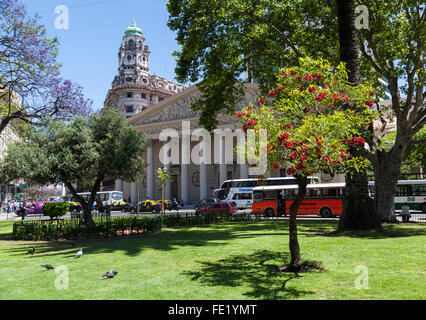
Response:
column 30, row 86
column 308, row 129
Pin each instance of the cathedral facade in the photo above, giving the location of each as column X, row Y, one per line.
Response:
column 153, row 106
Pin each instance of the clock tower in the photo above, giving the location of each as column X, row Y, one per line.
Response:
column 134, row 89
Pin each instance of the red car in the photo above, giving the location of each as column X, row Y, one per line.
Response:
column 226, row 206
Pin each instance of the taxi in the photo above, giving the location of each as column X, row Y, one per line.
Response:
column 167, row 204
column 119, row 205
column 147, row 206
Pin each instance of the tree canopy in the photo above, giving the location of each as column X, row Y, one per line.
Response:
column 85, row 149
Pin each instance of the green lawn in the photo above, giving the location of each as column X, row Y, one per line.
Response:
column 222, row 261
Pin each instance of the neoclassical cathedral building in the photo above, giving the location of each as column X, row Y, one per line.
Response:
column 153, row 105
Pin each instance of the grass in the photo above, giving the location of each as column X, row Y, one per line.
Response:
column 222, row 261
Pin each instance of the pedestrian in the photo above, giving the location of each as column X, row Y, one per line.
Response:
column 24, row 212
column 405, row 212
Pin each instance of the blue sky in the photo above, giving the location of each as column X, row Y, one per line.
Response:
column 88, row 49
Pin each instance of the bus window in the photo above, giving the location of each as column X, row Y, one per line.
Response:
column 257, row 196
column 329, row 193
column 292, row 193
column 419, row 189
column 403, row 190
column 269, row 195
column 117, row 196
column 313, row 193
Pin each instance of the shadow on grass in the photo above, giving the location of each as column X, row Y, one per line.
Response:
column 257, row 271
column 397, row 230
column 166, row 240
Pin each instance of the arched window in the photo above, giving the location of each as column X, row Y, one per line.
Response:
column 131, row 44
column 140, row 44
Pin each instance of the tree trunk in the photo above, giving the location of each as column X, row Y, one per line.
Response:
column 163, row 211
column 87, row 213
column 358, row 211
column 296, row 261
column 387, row 167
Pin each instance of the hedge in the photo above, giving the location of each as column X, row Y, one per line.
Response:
column 106, row 226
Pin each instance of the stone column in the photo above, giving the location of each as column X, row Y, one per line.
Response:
column 222, row 165
column 119, row 185
column 167, row 189
column 243, row 171
column 134, row 192
column 150, row 173
column 203, row 181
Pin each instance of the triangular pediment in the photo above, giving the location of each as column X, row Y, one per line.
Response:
column 177, row 107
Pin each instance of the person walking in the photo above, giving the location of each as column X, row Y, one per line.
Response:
column 405, row 212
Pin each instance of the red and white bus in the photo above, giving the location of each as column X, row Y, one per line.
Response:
column 323, row 199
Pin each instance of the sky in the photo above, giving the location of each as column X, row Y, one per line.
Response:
column 88, row 49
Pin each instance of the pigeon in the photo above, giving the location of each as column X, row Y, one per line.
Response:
column 79, row 253
column 110, row 274
column 47, row 266
column 32, row 250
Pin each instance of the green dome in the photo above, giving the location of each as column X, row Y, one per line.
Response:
column 133, row 29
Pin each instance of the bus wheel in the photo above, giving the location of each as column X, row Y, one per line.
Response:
column 326, row 212
column 269, row 212
column 423, row 207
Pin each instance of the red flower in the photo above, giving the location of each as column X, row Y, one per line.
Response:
column 292, row 72
column 276, row 165
column 293, row 155
column 312, row 89
column 306, row 110
column 308, row 77
column 300, row 167
column 291, row 171
column 298, row 79
column 369, row 103
column 321, row 96
column 261, row 101
column 273, row 93
column 283, row 137
column 288, row 145
column 240, row 114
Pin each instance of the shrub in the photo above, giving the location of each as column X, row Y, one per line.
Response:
column 55, row 209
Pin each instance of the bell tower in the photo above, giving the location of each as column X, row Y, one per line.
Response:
column 133, row 58
column 134, row 89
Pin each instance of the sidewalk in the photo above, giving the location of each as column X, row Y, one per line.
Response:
column 5, row 216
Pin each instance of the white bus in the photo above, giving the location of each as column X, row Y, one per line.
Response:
column 107, row 197
column 412, row 192
column 240, row 191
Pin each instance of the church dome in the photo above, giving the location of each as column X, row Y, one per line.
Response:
column 133, row 29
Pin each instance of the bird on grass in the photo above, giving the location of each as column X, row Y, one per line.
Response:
column 47, row 266
column 110, row 274
column 79, row 253
column 32, row 250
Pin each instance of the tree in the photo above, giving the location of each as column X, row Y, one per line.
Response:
column 30, row 86
column 394, row 47
column 85, row 149
column 164, row 177
column 309, row 129
column 221, row 41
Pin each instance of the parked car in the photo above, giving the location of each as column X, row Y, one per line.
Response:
column 204, row 203
column 167, row 204
column 74, row 206
column 121, row 205
column 146, row 206
column 36, row 208
column 226, row 206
